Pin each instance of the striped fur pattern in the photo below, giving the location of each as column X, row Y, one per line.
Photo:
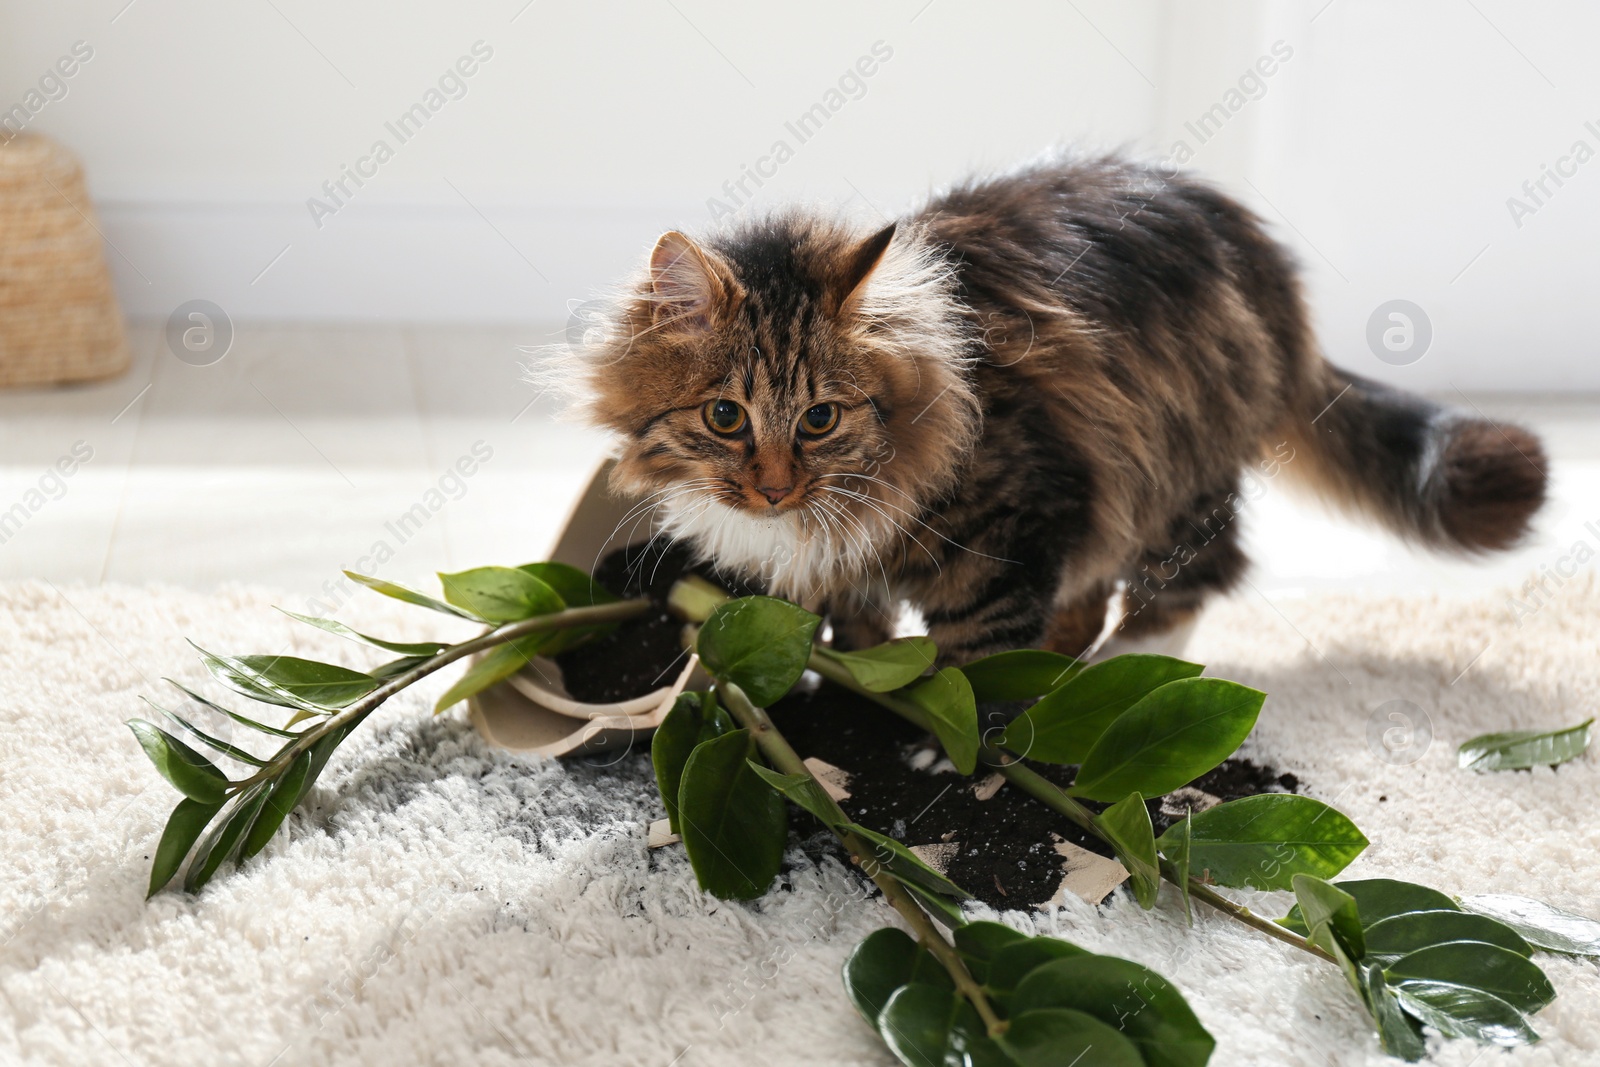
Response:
column 1048, row 387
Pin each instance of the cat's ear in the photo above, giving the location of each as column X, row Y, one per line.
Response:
column 691, row 286
column 858, row 265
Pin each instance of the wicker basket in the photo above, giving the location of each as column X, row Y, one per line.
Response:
column 58, row 313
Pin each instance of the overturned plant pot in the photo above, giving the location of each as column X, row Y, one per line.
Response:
column 534, row 711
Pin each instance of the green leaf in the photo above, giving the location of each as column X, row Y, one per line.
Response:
column 1168, row 739
column 968, row 1043
column 1514, row 979
column 915, row 1024
column 184, row 827
column 903, row 863
column 234, row 715
column 1330, row 914
column 884, row 961
column 1261, row 842
column 805, row 791
column 1020, row 674
column 734, row 825
column 760, row 644
column 321, row 750
column 887, row 666
column 1181, row 849
column 1064, row 725
column 189, row 772
column 220, row 745
column 1461, row 1011
column 1398, row 935
column 1517, row 750
column 281, row 799
column 224, row 838
column 941, row 907
column 575, row 588
column 953, row 714
column 500, row 594
column 1399, row 1034
column 396, row 667
column 498, row 664
column 1062, row 1037
column 1126, row 825
column 1379, row 898
column 979, row 941
column 410, row 596
column 1013, row 963
column 1143, row 1006
column 405, row 648
column 1540, row 924
column 695, row 717
column 289, row 681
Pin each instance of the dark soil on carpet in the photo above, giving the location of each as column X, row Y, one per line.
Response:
column 1004, row 851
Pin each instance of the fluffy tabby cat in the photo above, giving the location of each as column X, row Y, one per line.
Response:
column 1036, row 393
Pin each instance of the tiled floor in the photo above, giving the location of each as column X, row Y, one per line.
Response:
column 299, row 452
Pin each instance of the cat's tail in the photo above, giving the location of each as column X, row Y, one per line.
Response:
column 1435, row 476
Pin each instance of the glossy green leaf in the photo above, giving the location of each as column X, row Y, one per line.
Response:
column 805, row 791
column 495, row 665
column 884, row 961
column 1012, row 963
column 410, row 596
column 1168, row 739
column 1463, row 1012
column 289, row 681
column 1513, row 978
column 184, row 826
column 1540, row 924
column 1261, row 842
column 1127, row 829
column 187, row 770
column 943, row 908
column 1399, row 1033
column 575, row 588
column 1062, row 1037
column 1379, row 898
column 888, row 666
column 1180, row 852
column 760, row 644
column 979, row 941
column 1330, row 913
column 968, row 1044
column 1020, row 674
column 952, row 712
column 223, row 839
column 1401, row 934
column 1064, row 725
column 395, row 667
column 227, row 749
column 903, row 863
column 695, row 717
column 234, row 715
column 915, row 1024
column 280, row 800
column 500, row 594
column 321, row 751
column 1517, row 750
column 404, row 648
column 1140, row 1004
column 734, row 825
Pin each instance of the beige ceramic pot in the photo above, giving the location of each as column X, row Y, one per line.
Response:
column 532, row 712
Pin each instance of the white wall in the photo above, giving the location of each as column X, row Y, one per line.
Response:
column 1390, row 140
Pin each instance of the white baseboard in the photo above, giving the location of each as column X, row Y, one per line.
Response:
column 373, row 261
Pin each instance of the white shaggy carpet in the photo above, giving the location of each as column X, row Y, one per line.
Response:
column 442, row 903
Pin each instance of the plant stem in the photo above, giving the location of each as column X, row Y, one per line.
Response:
column 1054, row 797
column 499, row 635
column 782, row 756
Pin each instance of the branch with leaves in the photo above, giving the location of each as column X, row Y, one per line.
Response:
column 1133, row 726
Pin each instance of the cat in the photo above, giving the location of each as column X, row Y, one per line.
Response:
column 1033, row 396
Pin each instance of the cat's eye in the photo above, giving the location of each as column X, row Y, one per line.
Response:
column 819, row 419
column 724, row 416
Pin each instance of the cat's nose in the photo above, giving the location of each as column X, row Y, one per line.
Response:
column 774, row 495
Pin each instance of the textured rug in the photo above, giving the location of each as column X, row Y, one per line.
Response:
column 444, row 903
